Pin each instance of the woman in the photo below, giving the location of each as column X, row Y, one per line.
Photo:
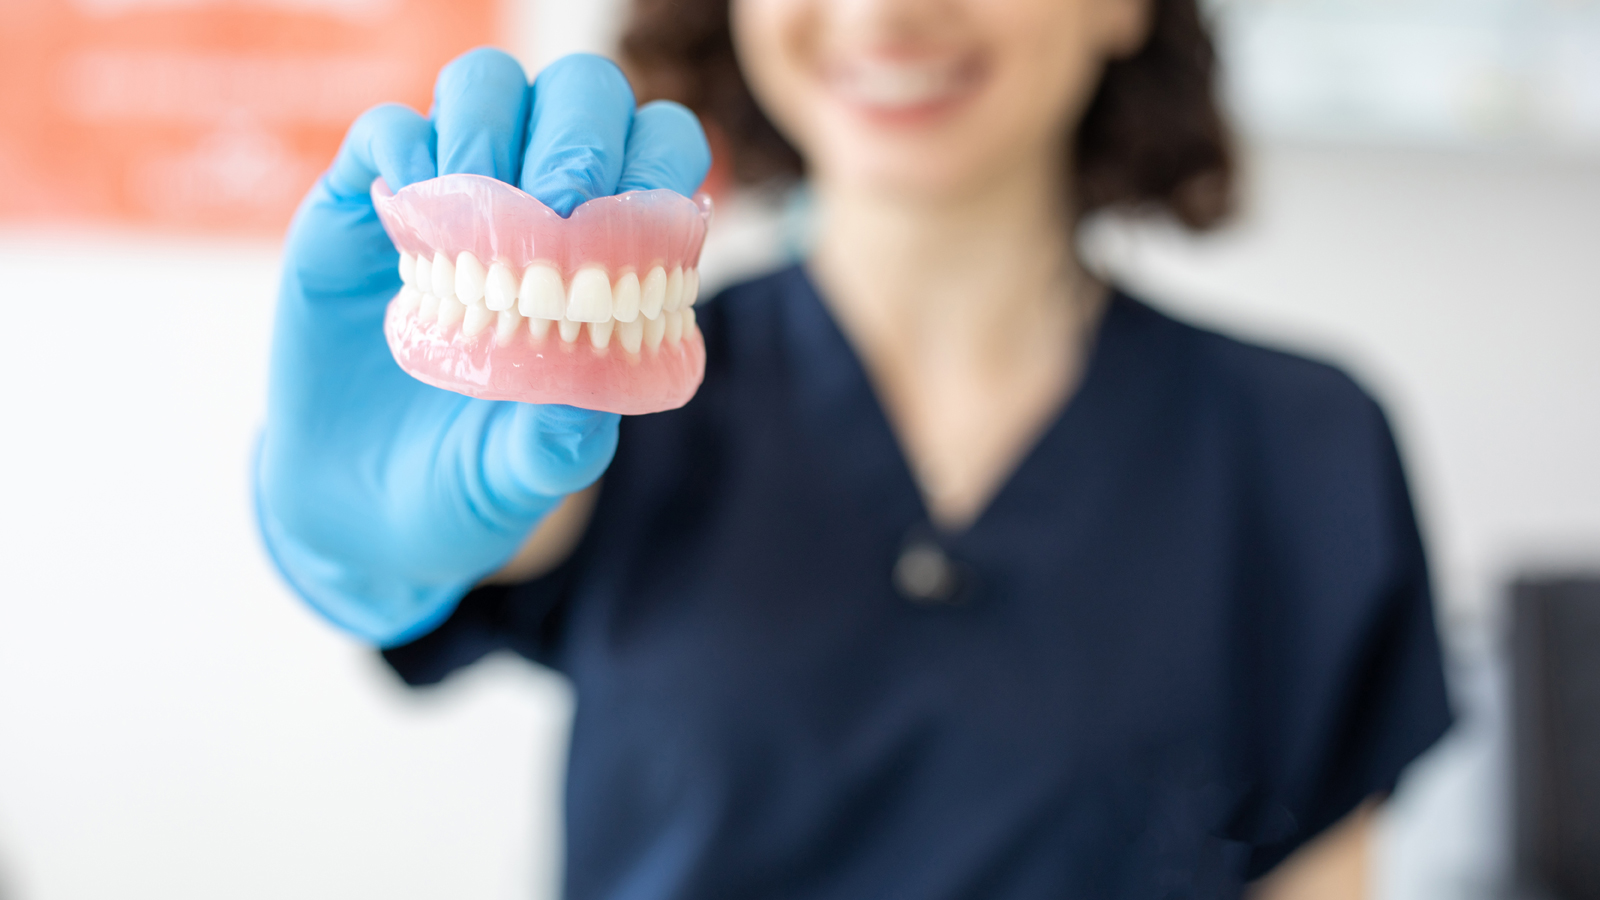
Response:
column 963, row 575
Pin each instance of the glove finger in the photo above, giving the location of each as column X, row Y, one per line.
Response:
column 534, row 454
column 582, row 108
column 389, row 140
column 666, row 149
column 480, row 109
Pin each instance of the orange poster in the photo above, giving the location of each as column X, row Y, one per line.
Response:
column 202, row 114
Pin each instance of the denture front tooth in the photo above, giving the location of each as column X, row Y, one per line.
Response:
column 600, row 333
column 542, row 296
column 674, row 298
column 506, row 323
column 589, row 300
column 428, row 309
column 422, row 271
column 625, row 298
column 569, row 329
column 654, row 329
column 653, row 293
column 631, row 334
column 451, row 311
column 408, row 268
column 539, row 328
column 444, row 275
column 500, row 288
column 477, row 319
column 470, row 278
column 408, row 299
column 674, row 326
column 691, row 287
column 688, row 320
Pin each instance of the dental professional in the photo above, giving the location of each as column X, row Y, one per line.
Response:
column 964, row 575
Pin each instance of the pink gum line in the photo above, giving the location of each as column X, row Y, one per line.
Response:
column 496, row 222
column 548, row 369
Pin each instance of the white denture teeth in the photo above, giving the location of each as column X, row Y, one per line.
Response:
column 428, row 309
column 691, row 287
column 477, row 319
column 408, row 299
column 408, row 269
column 674, row 327
column 422, row 273
column 451, row 311
column 688, row 320
column 674, row 297
column 625, row 298
column 631, row 334
column 539, row 328
column 500, row 288
column 470, row 278
column 589, row 299
column 569, row 329
column 444, row 275
column 653, row 331
column 506, row 323
column 653, row 293
column 600, row 333
column 542, row 296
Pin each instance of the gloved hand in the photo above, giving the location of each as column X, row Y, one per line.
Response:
column 383, row 500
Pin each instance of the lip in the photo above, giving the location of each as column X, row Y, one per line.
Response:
column 905, row 89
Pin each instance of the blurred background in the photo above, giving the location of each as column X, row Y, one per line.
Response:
column 1422, row 207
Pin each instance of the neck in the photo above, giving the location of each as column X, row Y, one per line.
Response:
column 974, row 267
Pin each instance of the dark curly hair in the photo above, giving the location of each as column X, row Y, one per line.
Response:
column 1152, row 136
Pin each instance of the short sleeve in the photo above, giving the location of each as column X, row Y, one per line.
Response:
column 1369, row 691
column 517, row 617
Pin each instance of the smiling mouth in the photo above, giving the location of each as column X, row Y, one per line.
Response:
column 905, row 86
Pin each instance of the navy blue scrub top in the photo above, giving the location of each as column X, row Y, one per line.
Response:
column 1192, row 631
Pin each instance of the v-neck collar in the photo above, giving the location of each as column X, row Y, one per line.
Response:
column 833, row 381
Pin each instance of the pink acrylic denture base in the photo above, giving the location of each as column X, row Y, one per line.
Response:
column 548, row 369
column 497, row 222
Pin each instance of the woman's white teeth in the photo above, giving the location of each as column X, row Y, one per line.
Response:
column 653, row 292
column 444, row 276
column 625, row 298
column 541, row 295
column 880, row 83
column 470, row 278
column 637, row 312
column 590, row 298
column 500, row 288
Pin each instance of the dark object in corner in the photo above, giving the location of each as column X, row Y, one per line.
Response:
column 1556, row 735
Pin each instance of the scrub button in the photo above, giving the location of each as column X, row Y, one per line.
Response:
column 924, row 574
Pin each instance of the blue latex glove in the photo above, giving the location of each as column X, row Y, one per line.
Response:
column 383, row 500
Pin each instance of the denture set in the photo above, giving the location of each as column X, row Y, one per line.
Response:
column 504, row 299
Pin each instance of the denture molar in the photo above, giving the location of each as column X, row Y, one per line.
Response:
column 488, row 270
